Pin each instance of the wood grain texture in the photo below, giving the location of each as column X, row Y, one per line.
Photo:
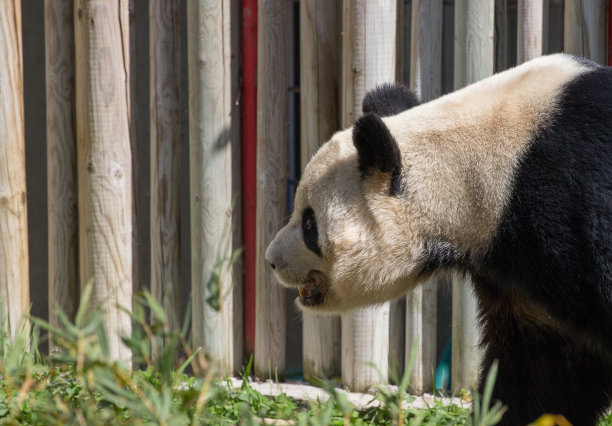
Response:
column 164, row 53
column 426, row 49
column 532, row 17
column 474, row 60
column 479, row 40
column 348, row 115
column 272, row 98
column 319, row 107
column 235, row 62
column 211, row 180
column 421, row 330
column 466, row 353
column 14, row 275
column 104, row 162
column 369, row 51
column 585, row 25
column 397, row 336
column 365, row 340
column 459, row 52
column 426, row 81
column 501, row 35
column 129, row 22
column 62, row 214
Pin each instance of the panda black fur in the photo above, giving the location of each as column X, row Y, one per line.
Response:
column 509, row 180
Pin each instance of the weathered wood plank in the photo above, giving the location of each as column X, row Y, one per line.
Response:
column 426, row 81
column 62, row 213
column 476, row 20
column 532, row 17
column 211, row 179
column 369, row 51
column 319, row 107
column 426, row 49
column 479, row 41
column 421, row 322
column 466, row 354
column 104, row 161
column 585, row 24
column 129, row 43
column 272, row 98
column 501, row 35
column 165, row 134
column 14, row 274
column 460, row 40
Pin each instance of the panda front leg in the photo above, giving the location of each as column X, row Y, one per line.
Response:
column 541, row 368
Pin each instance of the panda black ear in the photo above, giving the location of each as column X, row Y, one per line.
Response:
column 377, row 150
column 389, row 99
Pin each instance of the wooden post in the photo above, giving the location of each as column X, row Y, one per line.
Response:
column 585, row 24
column 104, row 161
column 475, row 49
column 130, row 22
column 368, row 54
column 426, row 49
column 532, row 18
column 164, row 48
column 501, row 35
column 272, row 98
column 14, row 274
column 459, row 52
column 61, row 160
column 466, row 354
column 426, row 80
column 211, row 180
column 248, row 100
column 320, row 114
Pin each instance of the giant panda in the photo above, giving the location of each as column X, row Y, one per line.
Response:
column 508, row 180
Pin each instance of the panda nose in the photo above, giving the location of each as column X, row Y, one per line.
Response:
column 270, row 258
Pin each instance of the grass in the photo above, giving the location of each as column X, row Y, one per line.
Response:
column 78, row 384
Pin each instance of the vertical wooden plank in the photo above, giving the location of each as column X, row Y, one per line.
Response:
column 235, row 18
column 211, row 184
column 61, row 160
column 369, row 53
column 272, row 98
column 14, row 274
column 164, row 53
column 480, row 48
column 466, row 354
column 426, row 81
column 397, row 337
column 476, row 20
column 421, row 323
column 401, row 38
column 426, row 49
column 459, row 52
column 320, row 113
column 347, row 73
column 104, row 161
column 531, row 30
column 501, row 35
column 585, row 24
column 129, row 22
column 248, row 98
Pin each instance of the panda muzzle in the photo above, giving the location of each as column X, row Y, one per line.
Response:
column 313, row 291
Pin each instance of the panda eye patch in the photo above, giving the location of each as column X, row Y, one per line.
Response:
column 310, row 232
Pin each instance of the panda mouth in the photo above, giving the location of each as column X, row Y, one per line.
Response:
column 312, row 292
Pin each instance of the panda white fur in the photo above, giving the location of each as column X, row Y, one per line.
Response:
column 510, row 180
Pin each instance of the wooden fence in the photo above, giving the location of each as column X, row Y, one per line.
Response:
column 206, row 60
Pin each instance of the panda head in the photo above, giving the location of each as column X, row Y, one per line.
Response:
column 348, row 243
